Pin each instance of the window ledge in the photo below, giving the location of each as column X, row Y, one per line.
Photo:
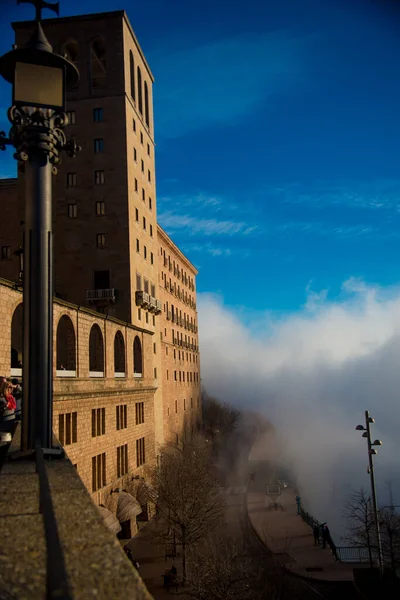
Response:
column 65, row 373
column 97, row 374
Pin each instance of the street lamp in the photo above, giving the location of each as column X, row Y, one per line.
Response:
column 39, row 78
column 371, row 453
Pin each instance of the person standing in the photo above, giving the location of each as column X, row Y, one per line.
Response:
column 316, row 534
column 298, row 502
column 7, row 407
column 325, row 534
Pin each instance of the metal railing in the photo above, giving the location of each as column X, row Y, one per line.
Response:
column 356, row 554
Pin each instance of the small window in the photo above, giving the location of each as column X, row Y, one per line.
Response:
column 139, row 314
column 151, row 230
column 133, row 124
column 97, row 115
column 98, row 471
column 98, row 422
column 122, row 460
column 144, row 223
column 101, row 240
column 139, row 413
column 153, row 290
column 151, row 258
column 145, row 252
column 140, row 452
column 71, row 179
column 99, row 145
column 148, row 175
column 143, row 195
column 150, row 204
column 99, row 177
column 137, row 246
column 146, row 286
column 141, row 137
column 71, row 117
column 154, row 321
column 155, row 372
column 138, row 282
column 134, row 155
column 72, row 211
column 142, row 165
column 100, row 208
column 136, row 185
column 154, row 348
column 148, row 149
column 176, row 406
column 5, row 252
column 137, row 214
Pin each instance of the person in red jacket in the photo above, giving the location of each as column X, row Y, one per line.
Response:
column 7, row 406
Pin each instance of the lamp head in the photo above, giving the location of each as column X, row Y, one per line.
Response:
column 360, row 428
column 365, row 434
column 371, row 420
column 373, row 451
column 377, row 443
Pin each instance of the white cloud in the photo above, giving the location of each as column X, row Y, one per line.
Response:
column 314, row 374
column 172, row 221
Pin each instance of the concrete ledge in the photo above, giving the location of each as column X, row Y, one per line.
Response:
column 95, row 562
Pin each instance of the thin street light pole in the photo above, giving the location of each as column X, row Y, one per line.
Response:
column 368, row 421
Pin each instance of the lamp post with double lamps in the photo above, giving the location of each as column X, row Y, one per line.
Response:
column 371, row 453
column 39, row 78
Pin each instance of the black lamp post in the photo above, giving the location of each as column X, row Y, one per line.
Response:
column 39, row 79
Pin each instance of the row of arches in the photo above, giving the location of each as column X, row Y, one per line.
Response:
column 66, row 347
column 142, row 88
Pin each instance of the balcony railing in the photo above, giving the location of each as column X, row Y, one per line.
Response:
column 97, row 295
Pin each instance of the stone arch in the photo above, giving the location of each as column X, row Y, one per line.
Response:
column 96, row 350
column 119, row 353
column 132, row 74
column 17, row 337
column 146, row 104
column 66, row 344
column 98, row 63
column 137, row 356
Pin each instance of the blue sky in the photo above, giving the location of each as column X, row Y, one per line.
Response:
column 278, row 139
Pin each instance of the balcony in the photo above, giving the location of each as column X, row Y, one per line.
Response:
column 142, row 299
column 101, row 295
column 152, row 307
column 158, row 307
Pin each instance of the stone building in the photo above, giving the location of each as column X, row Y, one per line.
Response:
column 115, row 296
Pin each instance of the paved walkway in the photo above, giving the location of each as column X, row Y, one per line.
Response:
column 283, row 531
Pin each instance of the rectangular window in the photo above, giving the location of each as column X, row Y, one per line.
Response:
column 175, row 376
column 134, row 155
column 155, row 372
column 144, row 223
column 98, row 471
column 99, row 145
column 121, row 416
column 68, row 428
column 99, row 177
column 148, row 175
column 97, row 115
column 176, row 406
column 71, row 179
column 139, row 412
column 137, row 215
column 143, row 195
column 154, row 321
column 184, row 404
column 145, row 251
column 154, row 348
column 98, row 421
column 142, row 165
column 101, row 240
column 152, row 258
column 150, row 204
column 141, row 137
column 137, row 246
column 151, row 230
column 140, row 452
column 138, row 282
column 139, row 314
column 71, row 117
column 122, row 460
column 148, row 149
column 146, row 286
column 101, row 280
column 133, row 124
column 136, row 185
column 147, row 317
column 100, row 208
column 153, row 290
column 5, row 252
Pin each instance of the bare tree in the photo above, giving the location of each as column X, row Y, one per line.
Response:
column 218, row 417
column 189, row 500
column 361, row 531
column 390, row 535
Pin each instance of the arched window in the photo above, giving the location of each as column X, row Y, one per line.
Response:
column 98, row 63
column 70, row 50
column 17, row 338
column 137, row 358
column 132, row 66
column 66, row 345
column 139, row 85
column 119, row 354
column 96, row 352
column 146, row 104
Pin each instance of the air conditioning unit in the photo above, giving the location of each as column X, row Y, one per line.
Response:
column 142, row 299
column 158, row 307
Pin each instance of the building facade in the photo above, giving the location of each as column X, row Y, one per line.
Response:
column 116, row 299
